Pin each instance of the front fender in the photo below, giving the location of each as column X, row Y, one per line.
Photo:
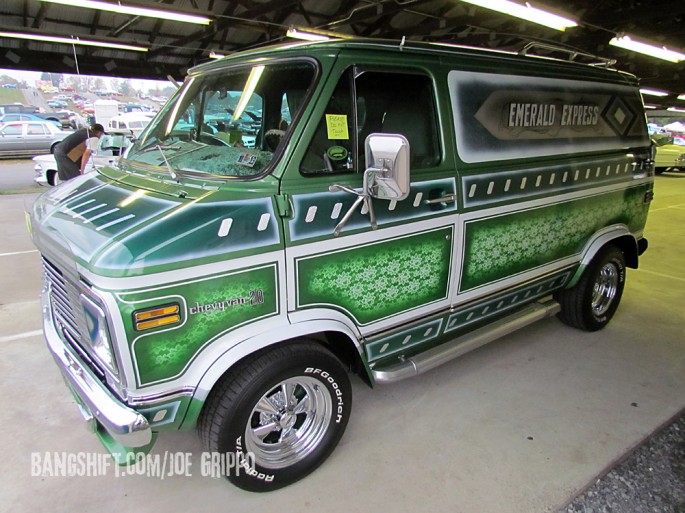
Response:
column 275, row 335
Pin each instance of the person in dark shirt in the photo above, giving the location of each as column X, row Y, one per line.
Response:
column 73, row 153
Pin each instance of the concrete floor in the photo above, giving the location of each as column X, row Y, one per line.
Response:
column 520, row 426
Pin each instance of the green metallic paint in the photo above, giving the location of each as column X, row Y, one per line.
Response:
column 484, row 190
column 425, row 333
column 499, row 247
column 166, row 416
column 121, row 454
column 317, row 214
column 116, row 230
column 379, row 280
column 404, row 340
column 192, row 414
column 210, row 308
column 492, row 307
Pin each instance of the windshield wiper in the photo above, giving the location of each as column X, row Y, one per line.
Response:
column 172, row 173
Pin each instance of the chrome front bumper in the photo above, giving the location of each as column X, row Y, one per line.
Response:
column 99, row 406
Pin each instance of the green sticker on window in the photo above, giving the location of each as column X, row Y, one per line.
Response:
column 337, row 153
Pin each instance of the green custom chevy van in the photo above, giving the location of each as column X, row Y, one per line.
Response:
column 398, row 205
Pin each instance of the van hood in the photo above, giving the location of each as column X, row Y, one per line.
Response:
column 114, row 229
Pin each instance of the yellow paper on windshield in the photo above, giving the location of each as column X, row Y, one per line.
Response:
column 336, row 124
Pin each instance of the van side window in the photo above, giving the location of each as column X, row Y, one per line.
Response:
column 399, row 103
column 332, row 150
column 395, row 103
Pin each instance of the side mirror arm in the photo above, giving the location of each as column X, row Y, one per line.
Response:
column 362, row 198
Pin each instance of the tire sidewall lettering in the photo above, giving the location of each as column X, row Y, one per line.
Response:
column 337, row 392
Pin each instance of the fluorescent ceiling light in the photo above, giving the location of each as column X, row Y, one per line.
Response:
column 681, row 97
column 650, row 106
column 526, row 12
column 653, row 51
column 215, row 55
column 135, row 11
column 654, row 92
column 675, row 109
column 250, row 86
column 72, row 41
column 306, row 35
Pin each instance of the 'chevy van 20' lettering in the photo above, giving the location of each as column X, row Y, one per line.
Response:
column 256, row 298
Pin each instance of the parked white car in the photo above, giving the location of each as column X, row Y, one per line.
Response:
column 111, row 146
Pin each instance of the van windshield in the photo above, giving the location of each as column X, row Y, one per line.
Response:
column 229, row 123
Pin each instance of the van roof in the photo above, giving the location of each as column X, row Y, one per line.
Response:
column 600, row 67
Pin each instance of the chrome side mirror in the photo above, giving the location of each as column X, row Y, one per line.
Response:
column 387, row 166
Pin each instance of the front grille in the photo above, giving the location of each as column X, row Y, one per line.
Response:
column 67, row 313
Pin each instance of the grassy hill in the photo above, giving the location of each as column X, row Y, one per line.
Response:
column 8, row 95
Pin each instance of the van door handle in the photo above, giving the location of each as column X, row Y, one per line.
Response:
column 444, row 199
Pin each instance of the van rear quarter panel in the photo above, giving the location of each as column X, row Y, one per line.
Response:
column 545, row 164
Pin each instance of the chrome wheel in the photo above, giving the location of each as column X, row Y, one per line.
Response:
column 288, row 422
column 605, row 289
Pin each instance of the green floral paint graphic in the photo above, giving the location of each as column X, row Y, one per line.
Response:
column 506, row 245
column 377, row 281
column 214, row 306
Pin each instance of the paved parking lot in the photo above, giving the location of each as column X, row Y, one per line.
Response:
column 521, row 425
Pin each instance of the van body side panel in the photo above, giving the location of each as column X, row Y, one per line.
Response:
column 504, row 245
column 377, row 281
column 315, row 215
column 546, row 165
column 430, row 331
column 211, row 306
column 504, row 117
column 395, row 275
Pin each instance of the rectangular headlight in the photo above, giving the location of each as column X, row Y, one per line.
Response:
column 97, row 333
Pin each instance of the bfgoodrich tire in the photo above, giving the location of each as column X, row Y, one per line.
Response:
column 592, row 302
column 281, row 414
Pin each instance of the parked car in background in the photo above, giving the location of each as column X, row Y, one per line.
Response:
column 29, row 137
column 132, row 121
column 111, row 146
column 14, row 108
column 57, row 104
column 64, row 118
column 669, row 156
column 67, row 118
column 8, row 118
